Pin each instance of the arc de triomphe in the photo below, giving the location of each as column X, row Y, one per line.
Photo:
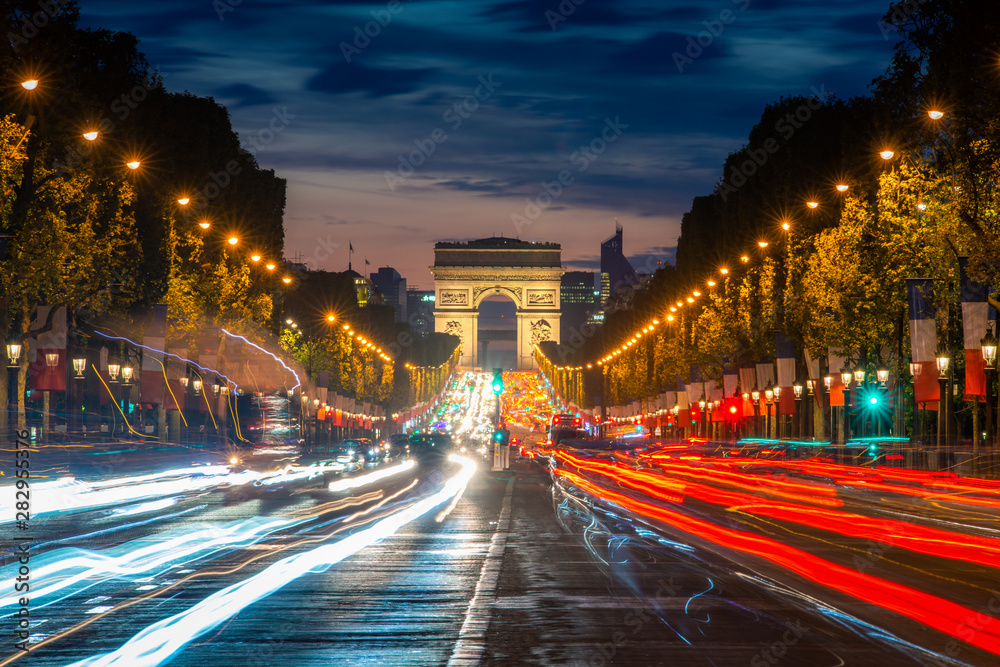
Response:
column 467, row 273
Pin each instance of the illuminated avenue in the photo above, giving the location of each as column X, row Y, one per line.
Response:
column 499, row 333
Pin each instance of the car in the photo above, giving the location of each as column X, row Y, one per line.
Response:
column 430, row 446
column 395, row 444
column 366, row 449
column 347, row 453
column 557, row 435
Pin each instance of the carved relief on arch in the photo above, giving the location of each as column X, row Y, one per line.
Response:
column 541, row 331
column 454, row 327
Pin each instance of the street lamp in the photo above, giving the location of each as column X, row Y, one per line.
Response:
column 989, row 348
column 90, row 136
column 883, row 375
column 113, row 369
column 79, row 365
column 859, row 375
column 988, row 345
column 799, row 421
column 127, row 372
column 30, row 84
column 14, row 353
column 943, row 361
column 887, row 155
column 197, row 384
column 51, row 359
column 845, row 378
column 777, row 409
column 935, row 114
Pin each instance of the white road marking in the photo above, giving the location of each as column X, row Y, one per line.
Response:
column 472, row 637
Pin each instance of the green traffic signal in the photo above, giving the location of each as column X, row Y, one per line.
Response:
column 497, row 380
column 498, row 436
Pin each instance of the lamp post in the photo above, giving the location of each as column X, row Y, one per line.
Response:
column 797, row 421
column 701, row 414
column 769, row 426
column 828, row 383
column 51, row 363
column 79, row 366
column 14, row 349
column 777, row 412
column 845, row 379
column 860, row 380
column 755, row 394
column 917, row 417
column 988, row 345
column 943, row 361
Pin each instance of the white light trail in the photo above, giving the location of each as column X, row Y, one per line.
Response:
column 298, row 382
column 354, row 482
column 65, row 568
column 69, row 495
column 157, row 643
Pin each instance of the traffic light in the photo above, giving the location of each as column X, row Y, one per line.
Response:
column 498, row 437
column 498, row 381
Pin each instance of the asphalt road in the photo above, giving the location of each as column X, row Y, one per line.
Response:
column 169, row 555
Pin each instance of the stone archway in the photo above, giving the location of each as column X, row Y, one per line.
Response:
column 467, row 273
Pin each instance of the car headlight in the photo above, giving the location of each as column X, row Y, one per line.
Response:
column 350, row 452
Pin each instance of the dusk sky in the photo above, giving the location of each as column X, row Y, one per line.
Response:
column 555, row 81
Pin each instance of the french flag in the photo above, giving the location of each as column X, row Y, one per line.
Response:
column 785, row 354
column 975, row 319
column 836, row 364
column 923, row 338
column 813, row 371
column 682, row 400
column 152, row 376
column 41, row 376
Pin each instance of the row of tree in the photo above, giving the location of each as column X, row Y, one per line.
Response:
column 80, row 228
column 827, row 266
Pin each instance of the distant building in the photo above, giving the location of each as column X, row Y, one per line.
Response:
column 579, row 300
column 363, row 288
column 617, row 275
column 420, row 310
column 393, row 288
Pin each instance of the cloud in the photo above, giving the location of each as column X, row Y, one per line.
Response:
column 243, row 95
column 343, row 77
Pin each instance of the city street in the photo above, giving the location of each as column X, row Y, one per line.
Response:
column 658, row 555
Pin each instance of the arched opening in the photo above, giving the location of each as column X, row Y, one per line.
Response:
column 497, row 333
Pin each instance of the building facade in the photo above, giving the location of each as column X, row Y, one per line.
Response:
column 393, row 288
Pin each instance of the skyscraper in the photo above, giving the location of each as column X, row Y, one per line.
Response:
column 616, row 270
column 393, row 288
column 578, row 301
